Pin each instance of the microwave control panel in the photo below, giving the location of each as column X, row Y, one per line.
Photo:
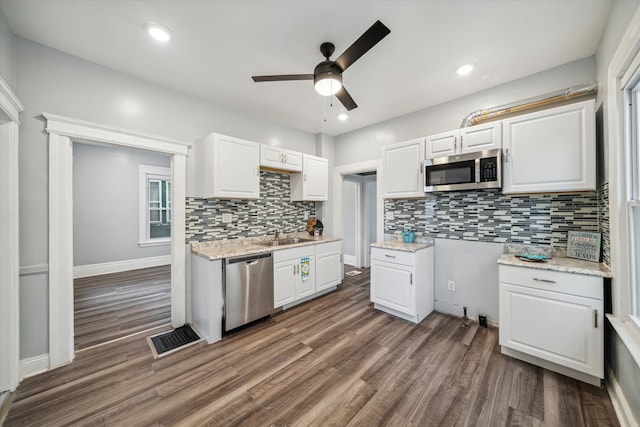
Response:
column 488, row 169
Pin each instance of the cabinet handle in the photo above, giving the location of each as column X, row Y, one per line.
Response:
column 461, row 142
column 506, row 154
column 455, row 143
column 389, row 256
column 282, row 158
column 411, row 278
column 420, row 168
column 294, row 269
column 543, row 280
column 595, row 319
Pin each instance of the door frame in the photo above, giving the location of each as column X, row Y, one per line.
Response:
column 357, row 223
column 10, row 109
column 338, row 179
column 62, row 132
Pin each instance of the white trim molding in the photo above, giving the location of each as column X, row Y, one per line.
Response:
column 89, row 270
column 9, row 103
column 9, row 239
column 34, row 366
column 95, row 132
column 63, row 131
column 618, row 400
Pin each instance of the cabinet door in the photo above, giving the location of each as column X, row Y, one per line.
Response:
column 402, row 169
column 236, row 168
column 284, row 278
column 551, row 150
column 481, row 137
column 561, row 328
column 270, row 157
column 328, row 270
column 392, row 286
column 313, row 183
column 292, row 160
column 442, row 144
column 305, row 286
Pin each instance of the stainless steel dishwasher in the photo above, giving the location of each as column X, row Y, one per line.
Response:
column 248, row 289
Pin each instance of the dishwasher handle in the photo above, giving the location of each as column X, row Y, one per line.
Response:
column 247, row 258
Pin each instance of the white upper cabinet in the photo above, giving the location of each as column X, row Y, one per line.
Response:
column 313, row 183
column 226, row 168
column 402, row 165
column 551, row 151
column 466, row 140
column 280, row 159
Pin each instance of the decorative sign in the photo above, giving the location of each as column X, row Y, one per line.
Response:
column 584, row 245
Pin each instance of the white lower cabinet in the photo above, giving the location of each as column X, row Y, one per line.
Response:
column 553, row 319
column 329, row 265
column 402, row 282
column 294, row 274
column 295, row 280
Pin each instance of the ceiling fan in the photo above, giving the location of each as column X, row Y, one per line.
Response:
column 327, row 76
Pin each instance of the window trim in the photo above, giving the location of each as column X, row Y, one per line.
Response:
column 620, row 73
column 147, row 172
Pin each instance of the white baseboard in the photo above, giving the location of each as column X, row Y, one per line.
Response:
column 350, row 260
column 118, row 266
column 33, row 366
column 620, row 404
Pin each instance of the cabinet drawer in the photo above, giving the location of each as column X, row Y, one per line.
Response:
column 322, row 248
column 287, row 254
column 555, row 281
column 397, row 257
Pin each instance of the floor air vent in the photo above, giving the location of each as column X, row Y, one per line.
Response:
column 166, row 342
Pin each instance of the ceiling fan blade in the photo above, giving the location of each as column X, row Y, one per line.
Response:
column 369, row 39
column 282, row 77
column 346, row 99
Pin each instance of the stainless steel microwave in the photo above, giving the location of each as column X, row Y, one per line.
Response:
column 464, row 171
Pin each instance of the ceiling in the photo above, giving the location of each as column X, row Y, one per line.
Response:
column 218, row 45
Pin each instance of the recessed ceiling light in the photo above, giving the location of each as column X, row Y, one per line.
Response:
column 158, row 31
column 465, row 69
column 343, row 116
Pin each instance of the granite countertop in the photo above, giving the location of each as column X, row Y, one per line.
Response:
column 220, row 249
column 400, row 245
column 557, row 262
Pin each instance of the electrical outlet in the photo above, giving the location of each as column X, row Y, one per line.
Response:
column 451, row 285
column 305, row 215
column 226, row 217
column 389, row 216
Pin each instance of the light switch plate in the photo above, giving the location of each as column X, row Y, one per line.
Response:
column 226, row 217
column 389, row 215
column 305, row 215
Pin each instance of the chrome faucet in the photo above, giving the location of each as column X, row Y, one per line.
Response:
column 277, row 234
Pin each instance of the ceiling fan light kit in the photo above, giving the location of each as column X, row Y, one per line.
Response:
column 327, row 76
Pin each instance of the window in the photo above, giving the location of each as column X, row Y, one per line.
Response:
column 155, row 205
column 632, row 175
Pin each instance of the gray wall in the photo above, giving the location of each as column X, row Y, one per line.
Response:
column 364, row 144
column 623, row 366
column 54, row 82
column 7, row 53
column 106, row 203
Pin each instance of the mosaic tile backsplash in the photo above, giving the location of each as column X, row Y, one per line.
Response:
column 603, row 208
column 250, row 218
column 489, row 216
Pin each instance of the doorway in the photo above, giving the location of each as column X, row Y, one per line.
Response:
column 359, row 217
column 62, row 132
column 369, row 178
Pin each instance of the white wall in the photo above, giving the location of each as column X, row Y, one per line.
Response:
column 106, row 208
column 54, row 82
column 365, row 144
column 474, row 269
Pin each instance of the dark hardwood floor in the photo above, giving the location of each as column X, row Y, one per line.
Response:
column 116, row 305
column 332, row 361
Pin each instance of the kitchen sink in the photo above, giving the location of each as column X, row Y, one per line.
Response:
column 288, row 241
